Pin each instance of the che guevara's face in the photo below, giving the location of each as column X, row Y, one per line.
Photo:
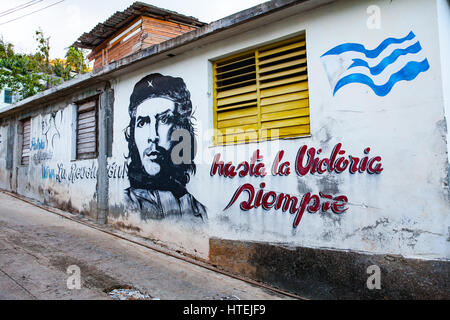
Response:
column 154, row 121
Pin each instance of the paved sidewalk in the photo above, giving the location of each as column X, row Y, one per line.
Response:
column 37, row 247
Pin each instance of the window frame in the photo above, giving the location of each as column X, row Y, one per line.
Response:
column 23, row 144
column 87, row 155
column 8, row 96
column 262, row 133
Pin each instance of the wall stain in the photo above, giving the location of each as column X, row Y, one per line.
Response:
column 51, row 198
column 412, row 235
column 329, row 184
column 128, row 227
column 369, row 230
column 326, row 133
column 441, row 127
column 302, row 186
column 383, row 221
column 90, row 209
column 118, row 211
column 327, row 236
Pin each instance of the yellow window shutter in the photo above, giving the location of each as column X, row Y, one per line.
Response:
column 262, row 94
column 283, row 83
column 235, row 99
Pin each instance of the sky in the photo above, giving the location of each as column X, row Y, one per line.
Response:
column 65, row 21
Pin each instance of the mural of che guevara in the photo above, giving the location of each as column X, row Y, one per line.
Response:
column 158, row 106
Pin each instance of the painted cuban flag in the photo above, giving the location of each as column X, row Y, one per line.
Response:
column 392, row 61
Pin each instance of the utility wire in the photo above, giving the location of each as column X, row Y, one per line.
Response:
column 18, row 8
column 31, row 12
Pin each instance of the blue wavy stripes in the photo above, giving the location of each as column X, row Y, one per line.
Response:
column 409, row 72
column 346, row 47
column 376, row 70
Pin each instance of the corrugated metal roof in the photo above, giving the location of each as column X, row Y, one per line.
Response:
column 120, row 19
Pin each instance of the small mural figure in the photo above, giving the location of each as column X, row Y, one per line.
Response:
column 50, row 129
column 159, row 105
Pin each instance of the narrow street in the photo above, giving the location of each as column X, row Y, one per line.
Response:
column 37, row 247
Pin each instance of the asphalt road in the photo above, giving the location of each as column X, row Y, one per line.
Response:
column 37, row 247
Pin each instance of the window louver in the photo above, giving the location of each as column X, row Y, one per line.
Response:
column 87, row 130
column 262, row 94
column 26, row 142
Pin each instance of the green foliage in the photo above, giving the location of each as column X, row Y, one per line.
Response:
column 6, row 50
column 18, row 72
column 76, row 59
column 28, row 74
column 42, row 56
column 62, row 69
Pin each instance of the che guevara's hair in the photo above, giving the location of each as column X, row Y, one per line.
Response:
column 158, row 86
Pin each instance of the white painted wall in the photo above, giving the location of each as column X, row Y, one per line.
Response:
column 443, row 9
column 404, row 210
column 51, row 149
